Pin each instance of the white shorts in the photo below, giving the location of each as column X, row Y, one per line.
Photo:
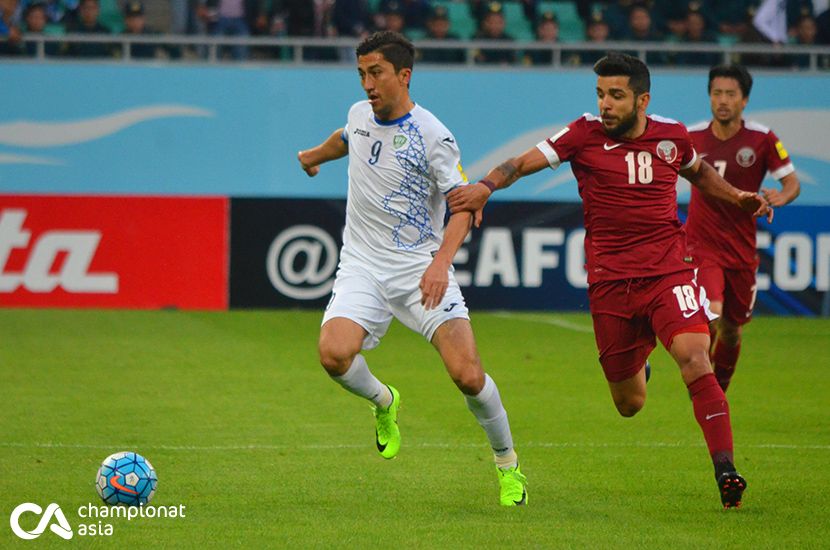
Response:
column 371, row 300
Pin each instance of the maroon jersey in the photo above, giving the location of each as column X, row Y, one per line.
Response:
column 629, row 198
column 721, row 231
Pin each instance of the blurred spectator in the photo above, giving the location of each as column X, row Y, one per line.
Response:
column 87, row 23
column 640, row 26
column 823, row 26
column 673, row 14
column 806, row 30
column 806, row 33
column 10, row 35
column 136, row 24
column 413, row 12
column 698, row 33
column 438, row 28
column 233, row 18
column 480, row 9
column 734, row 16
column 390, row 17
column 492, row 28
column 598, row 31
column 641, row 29
column 305, row 18
column 57, row 11
column 35, row 20
column 614, row 12
column 796, row 9
column 350, row 18
column 546, row 31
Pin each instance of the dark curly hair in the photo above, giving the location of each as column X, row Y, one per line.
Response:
column 621, row 64
column 393, row 46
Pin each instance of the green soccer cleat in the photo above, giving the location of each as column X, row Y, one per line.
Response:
column 387, row 434
column 513, row 486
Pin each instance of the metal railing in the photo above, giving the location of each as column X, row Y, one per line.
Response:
column 209, row 49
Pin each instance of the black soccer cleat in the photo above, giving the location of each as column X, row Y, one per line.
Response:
column 731, row 486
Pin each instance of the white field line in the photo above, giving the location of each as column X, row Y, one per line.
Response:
column 425, row 445
column 545, row 319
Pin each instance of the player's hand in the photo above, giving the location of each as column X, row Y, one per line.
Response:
column 755, row 203
column 774, row 197
column 309, row 168
column 434, row 284
column 468, row 197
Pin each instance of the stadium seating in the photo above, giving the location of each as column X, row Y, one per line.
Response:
column 516, row 24
column 111, row 16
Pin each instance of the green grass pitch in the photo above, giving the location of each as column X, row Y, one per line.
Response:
column 245, row 429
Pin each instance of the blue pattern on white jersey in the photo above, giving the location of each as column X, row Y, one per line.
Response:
column 399, row 172
column 414, row 188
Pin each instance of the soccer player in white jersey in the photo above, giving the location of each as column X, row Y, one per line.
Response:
column 397, row 255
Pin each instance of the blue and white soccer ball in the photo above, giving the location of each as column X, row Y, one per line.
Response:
column 126, row 479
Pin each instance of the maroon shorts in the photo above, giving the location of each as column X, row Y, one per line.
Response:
column 734, row 287
column 629, row 313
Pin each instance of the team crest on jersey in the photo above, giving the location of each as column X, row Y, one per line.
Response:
column 398, row 141
column 745, row 157
column 667, row 151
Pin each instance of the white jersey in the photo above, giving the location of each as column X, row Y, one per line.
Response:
column 399, row 171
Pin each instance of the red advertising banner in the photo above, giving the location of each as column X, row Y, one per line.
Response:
column 114, row 252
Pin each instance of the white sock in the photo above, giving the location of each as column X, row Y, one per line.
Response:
column 490, row 413
column 360, row 381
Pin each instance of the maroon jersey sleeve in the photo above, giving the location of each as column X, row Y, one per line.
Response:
column 564, row 145
column 778, row 160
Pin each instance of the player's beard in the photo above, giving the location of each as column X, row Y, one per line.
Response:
column 626, row 123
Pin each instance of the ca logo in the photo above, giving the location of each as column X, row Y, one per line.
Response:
column 61, row 528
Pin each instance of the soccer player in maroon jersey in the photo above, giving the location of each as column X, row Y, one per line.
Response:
column 640, row 284
column 721, row 236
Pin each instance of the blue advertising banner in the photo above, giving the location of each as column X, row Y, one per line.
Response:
column 526, row 256
column 236, row 130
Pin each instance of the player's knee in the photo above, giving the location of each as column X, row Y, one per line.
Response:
column 629, row 405
column 469, row 380
column 694, row 365
column 335, row 359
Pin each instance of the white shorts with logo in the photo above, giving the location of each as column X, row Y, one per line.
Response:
column 371, row 300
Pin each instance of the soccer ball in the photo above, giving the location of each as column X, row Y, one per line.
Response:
column 126, row 479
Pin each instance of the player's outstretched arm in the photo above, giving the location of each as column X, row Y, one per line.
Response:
column 333, row 148
column 473, row 197
column 707, row 179
column 790, row 189
column 435, row 279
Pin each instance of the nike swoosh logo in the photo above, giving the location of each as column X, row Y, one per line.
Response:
column 524, row 499
column 689, row 315
column 608, row 148
column 448, row 140
column 711, row 416
column 381, row 446
column 114, row 483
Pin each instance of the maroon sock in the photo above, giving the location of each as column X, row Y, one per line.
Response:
column 712, row 413
column 724, row 359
